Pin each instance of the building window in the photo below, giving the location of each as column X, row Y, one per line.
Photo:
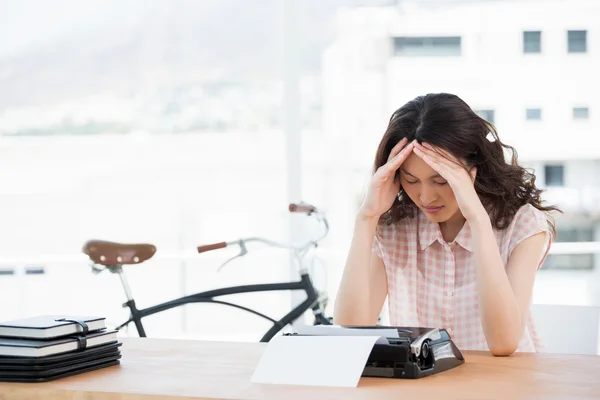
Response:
column 532, row 42
column 581, row 113
column 555, row 175
column 533, row 114
column 578, row 234
column 488, row 115
column 569, row 261
column 572, row 261
column 577, row 41
column 427, row 46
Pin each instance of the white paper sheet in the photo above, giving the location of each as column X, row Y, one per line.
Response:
column 315, row 360
column 337, row 330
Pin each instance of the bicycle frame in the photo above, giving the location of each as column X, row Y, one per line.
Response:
column 305, row 284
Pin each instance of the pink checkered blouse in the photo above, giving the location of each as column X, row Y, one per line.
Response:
column 432, row 283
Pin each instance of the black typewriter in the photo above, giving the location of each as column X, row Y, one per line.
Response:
column 415, row 353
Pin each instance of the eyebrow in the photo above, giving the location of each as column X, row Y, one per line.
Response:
column 431, row 177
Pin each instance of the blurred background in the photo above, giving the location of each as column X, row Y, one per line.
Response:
column 187, row 122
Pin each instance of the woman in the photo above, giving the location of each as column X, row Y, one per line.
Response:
column 449, row 231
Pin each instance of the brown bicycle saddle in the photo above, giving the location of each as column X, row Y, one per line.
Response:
column 112, row 254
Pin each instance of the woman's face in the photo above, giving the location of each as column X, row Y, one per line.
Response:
column 428, row 190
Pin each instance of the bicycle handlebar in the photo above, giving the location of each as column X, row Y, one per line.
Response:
column 302, row 208
column 308, row 209
column 213, row 246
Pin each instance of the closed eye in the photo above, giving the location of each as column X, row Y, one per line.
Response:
column 411, row 182
column 441, row 183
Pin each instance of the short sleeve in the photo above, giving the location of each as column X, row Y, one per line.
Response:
column 384, row 241
column 527, row 222
column 376, row 248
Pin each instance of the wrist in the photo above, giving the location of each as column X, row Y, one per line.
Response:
column 366, row 221
column 480, row 219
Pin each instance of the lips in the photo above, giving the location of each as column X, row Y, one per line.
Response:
column 433, row 210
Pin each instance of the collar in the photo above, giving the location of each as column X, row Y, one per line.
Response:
column 429, row 232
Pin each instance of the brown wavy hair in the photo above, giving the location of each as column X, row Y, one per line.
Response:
column 446, row 121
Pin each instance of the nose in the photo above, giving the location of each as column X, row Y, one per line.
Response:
column 428, row 194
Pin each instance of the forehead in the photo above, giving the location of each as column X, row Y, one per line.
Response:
column 417, row 167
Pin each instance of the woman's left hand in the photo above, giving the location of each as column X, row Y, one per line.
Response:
column 460, row 180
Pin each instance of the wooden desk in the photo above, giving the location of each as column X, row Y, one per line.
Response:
column 185, row 369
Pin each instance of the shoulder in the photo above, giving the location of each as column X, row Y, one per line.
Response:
column 529, row 218
column 527, row 221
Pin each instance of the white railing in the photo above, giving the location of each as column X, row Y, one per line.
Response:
column 186, row 255
column 553, row 287
column 575, row 248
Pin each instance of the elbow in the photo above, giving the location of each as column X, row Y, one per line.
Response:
column 504, row 342
column 503, row 349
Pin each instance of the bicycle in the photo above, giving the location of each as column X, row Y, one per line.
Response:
column 112, row 256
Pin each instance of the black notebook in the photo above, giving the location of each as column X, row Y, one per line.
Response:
column 10, row 368
column 50, row 326
column 38, row 348
column 104, row 350
column 58, row 373
column 57, row 369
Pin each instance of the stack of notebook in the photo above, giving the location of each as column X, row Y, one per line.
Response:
column 50, row 347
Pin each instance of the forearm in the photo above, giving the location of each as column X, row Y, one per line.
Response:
column 352, row 305
column 498, row 306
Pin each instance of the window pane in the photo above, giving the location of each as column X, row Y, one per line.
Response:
column 488, row 115
column 554, row 175
column 532, row 42
column 569, row 261
column 581, row 113
column 533, row 114
column 427, row 46
column 575, row 234
column 577, row 41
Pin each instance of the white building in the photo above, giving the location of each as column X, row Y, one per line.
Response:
column 527, row 66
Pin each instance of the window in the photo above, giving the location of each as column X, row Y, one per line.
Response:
column 533, row 114
column 488, row 115
column 427, row 46
column 569, row 261
column 555, row 175
column 579, row 234
column 572, row 261
column 532, row 42
column 577, row 41
column 581, row 113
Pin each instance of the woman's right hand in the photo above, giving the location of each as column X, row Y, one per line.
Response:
column 383, row 188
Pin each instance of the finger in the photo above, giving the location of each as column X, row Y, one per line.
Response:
column 396, row 149
column 399, row 159
column 389, row 169
column 441, row 154
column 435, row 163
column 436, row 155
